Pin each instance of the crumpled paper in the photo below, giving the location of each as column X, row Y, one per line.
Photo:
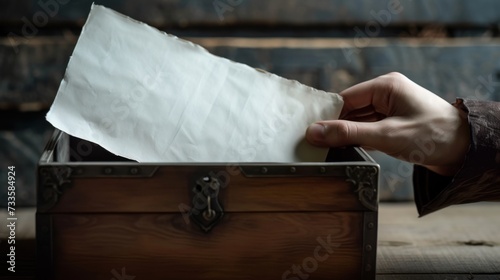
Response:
column 152, row 97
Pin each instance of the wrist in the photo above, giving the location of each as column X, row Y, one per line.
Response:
column 460, row 146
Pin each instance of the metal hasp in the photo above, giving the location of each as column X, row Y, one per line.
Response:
column 364, row 179
column 207, row 210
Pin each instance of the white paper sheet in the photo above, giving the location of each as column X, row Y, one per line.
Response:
column 149, row 96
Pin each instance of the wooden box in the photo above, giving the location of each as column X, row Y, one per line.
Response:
column 103, row 217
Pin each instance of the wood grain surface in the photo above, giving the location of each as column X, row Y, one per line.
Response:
column 461, row 239
column 262, row 12
column 447, row 67
column 169, row 190
column 467, row 235
column 242, row 246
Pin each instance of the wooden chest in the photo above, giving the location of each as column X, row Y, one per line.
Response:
column 103, row 217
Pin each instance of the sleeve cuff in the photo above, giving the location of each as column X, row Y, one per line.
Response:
column 479, row 177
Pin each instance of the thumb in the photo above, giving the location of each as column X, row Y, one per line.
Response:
column 338, row 133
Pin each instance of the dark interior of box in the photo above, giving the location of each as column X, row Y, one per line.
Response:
column 96, row 153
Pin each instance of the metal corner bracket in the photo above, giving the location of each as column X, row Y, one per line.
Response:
column 364, row 179
column 52, row 181
column 369, row 249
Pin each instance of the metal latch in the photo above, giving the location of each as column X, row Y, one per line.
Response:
column 206, row 211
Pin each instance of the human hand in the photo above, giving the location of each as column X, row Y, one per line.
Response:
column 396, row 116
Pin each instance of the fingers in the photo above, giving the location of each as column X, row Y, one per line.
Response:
column 338, row 133
column 357, row 97
column 367, row 114
column 376, row 93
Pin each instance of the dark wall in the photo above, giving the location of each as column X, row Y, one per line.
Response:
column 450, row 47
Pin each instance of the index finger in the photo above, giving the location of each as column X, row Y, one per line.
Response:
column 373, row 93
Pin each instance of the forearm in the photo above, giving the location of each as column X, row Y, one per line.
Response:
column 479, row 177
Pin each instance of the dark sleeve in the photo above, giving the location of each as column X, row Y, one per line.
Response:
column 479, row 177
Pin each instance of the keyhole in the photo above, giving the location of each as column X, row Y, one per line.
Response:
column 209, row 214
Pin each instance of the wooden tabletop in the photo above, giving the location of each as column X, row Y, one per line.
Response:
column 459, row 242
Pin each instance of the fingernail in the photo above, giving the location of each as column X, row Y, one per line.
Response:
column 317, row 132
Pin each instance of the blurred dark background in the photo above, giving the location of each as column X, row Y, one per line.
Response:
column 451, row 47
